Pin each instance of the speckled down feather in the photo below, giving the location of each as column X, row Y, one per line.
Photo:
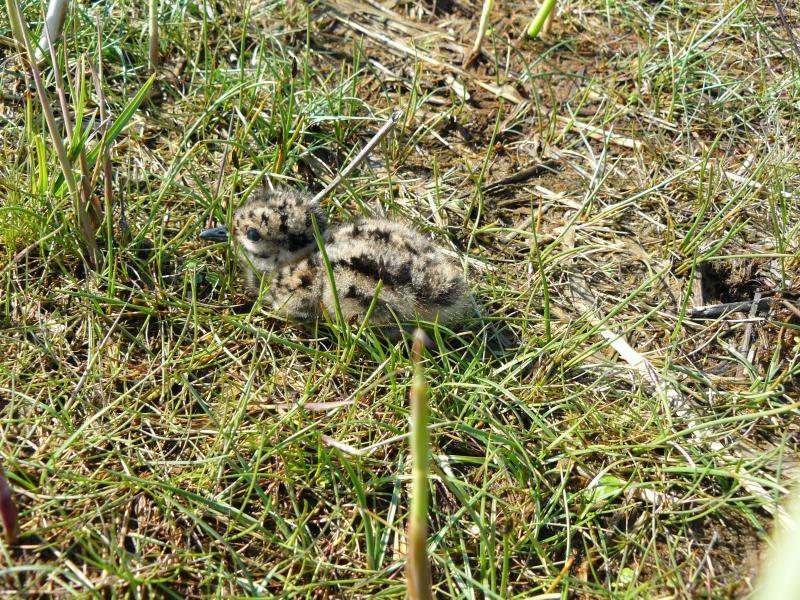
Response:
column 275, row 239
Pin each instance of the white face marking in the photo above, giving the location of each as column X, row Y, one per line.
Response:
column 253, row 248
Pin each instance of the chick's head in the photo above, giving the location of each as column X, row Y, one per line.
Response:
column 277, row 223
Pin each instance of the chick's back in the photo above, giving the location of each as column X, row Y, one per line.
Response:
column 419, row 280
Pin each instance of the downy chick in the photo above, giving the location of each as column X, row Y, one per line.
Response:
column 275, row 240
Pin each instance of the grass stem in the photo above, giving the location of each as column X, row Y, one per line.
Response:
column 154, row 49
column 418, row 570
column 541, row 17
column 20, row 28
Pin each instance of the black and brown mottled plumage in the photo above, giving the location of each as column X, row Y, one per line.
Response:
column 275, row 242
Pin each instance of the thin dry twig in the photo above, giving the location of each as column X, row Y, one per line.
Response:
column 713, row 311
column 346, row 448
column 791, row 307
column 598, row 133
column 521, row 176
column 787, row 27
column 745, row 349
column 359, row 158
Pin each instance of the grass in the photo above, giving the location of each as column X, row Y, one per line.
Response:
column 162, row 436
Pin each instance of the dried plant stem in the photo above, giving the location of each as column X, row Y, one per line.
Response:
column 548, row 22
column 418, row 570
column 154, row 43
column 105, row 158
column 95, row 214
column 484, row 25
column 53, row 25
column 20, row 29
column 387, row 127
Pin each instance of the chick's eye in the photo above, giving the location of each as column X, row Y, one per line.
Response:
column 253, row 235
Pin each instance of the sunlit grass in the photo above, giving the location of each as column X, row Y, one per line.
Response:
column 164, row 436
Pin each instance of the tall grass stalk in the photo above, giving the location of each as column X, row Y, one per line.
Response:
column 105, row 158
column 539, row 20
column 85, row 190
column 484, row 24
column 20, row 31
column 418, row 570
column 53, row 26
column 781, row 577
column 154, row 42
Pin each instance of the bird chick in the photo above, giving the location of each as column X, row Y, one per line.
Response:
column 275, row 240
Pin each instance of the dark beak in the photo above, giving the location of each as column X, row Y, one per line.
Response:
column 215, row 234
